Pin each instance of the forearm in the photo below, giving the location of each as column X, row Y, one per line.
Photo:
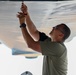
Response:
column 25, row 33
column 30, row 24
column 32, row 28
column 26, row 36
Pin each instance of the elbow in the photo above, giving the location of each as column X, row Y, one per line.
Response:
column 29, row 45
column 34, row 47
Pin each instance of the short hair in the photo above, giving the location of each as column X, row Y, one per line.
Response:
column 66, row 30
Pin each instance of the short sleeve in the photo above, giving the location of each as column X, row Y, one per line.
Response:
column 42, row 36
column 50, row 48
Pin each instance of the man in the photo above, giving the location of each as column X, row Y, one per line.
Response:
column 53, row 49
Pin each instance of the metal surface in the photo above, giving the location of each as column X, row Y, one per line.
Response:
column 45, row 15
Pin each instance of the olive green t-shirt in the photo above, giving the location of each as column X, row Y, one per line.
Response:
column 55, row 57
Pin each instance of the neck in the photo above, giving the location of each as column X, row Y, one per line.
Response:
column 53, row 40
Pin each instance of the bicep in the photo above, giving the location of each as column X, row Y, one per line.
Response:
column 35, row 46
column 35, row 35
column 39, row 36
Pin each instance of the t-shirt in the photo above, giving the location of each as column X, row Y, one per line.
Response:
column 55, row 56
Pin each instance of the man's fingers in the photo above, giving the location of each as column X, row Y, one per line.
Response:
column 23, row 8
column 21, row 15
column 18, row 15
column 24, row 5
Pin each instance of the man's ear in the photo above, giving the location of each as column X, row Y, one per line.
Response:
column 61, row 35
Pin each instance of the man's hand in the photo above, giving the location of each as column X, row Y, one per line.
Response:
column 21, row 17
column 24, row 8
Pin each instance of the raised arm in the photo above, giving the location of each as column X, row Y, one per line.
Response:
column 30, row 25
column 30, row 42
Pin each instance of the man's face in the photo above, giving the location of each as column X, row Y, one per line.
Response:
column 57, row 33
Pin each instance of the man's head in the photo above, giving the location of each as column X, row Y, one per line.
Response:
column 60, row 33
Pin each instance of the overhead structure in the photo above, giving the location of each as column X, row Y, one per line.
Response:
column 45, row 15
